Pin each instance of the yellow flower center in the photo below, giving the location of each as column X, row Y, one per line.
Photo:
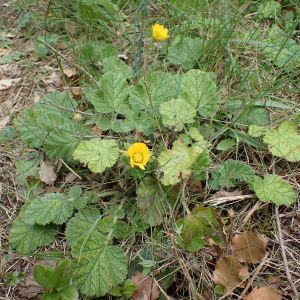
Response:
column 137, row 157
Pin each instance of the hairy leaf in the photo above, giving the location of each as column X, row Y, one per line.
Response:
column 199, row 91
column 101, row 266
column 177, row 112
column 26, row 238
column 176, row 163
column 50, row 208
column 97, row 154
column 116, row 65
column 273, row 188
column 285, row 142
column 229, row 172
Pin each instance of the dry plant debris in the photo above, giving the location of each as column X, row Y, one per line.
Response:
column 249, row 247
column 47, row 173
column 263, row 293
column 148, row 289
column 229, row 273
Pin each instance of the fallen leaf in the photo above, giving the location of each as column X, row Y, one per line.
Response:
column 7, row 83
column 249, row 247
column 231, row 225
column 36, row 97
column 96, row 130
column 70, row 177
column 218, row 249
column 72, row 27
column 147, row 288
column 265, row 293
column 46, row 172
column 70, row 72
column 140, row 136
column 229, row 273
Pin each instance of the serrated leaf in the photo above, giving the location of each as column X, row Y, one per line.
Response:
column 29, row 130
column 40, row 48
column 105, row 224
column 112, row 94
column 161, row 89
column 26, row 238
column 116, row 65
column 273, row 188
column 177, row 112
column 176, row 163
column 81, row 223
column 51, row 208
column 226, row 144
column 185, row 52
column 97, row 154
column 256, row 131
column 285, row 142
column 57, row 98
column 201, row 164
column 200, row 222
column 62, row 142
column 229, row 172
column 103, row 123
column 52, row 120
column 100, row 268
column 122, row 126
column 269, row 8
column 75, row 197
column 200, row 92
column 153, row 201
column 27, row 166
column 10, row 58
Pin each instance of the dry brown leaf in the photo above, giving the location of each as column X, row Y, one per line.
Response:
column 218, row 249
column 72, row 27
column 229, row 273
column 7, row 83
column 70, row 72
column 147, row 288
column 265, row 293
column 46, row 172
column 96, row 130
column 249, row 247
column 70, row 177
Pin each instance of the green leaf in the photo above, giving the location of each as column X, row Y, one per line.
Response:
column 27, row 166
column 154, row 201
column 200, row 92
column 50, row 295
column 104, row 123
column 26, row 238
column 112, row 94
column 116, row 65
column 63, row 273
column 273, row 188
column 105, row 224
column 195, row 244
column 229, row 172
column 81, row 223
column 161, row 89
column 129, row 288
column 68, row 292
column 177, row 112
column 10, row 58
column 101, row 266
column 55, row 99
column 201, row 164
column 257, row 131
column 45, row 277
column 29, row 130
column 62, row 142
column 116, row 291
column 285, row 142
column 98, row 154
column 185, row 52
column 51, row 208
column 226, row 144
column 177, row 162
column 75, row 197
column 201, row 222
column 40, row 48
column 269, row 9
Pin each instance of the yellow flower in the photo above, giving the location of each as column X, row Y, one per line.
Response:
column 139, row 155
column 159, row 32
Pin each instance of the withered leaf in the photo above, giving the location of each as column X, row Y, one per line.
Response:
column 229, row 273
column 147, row 288
column 249, row 247
column 46, row 172
column 265, row 293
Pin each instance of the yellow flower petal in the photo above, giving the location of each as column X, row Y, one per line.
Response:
column 159, row 32
column 139, row 155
